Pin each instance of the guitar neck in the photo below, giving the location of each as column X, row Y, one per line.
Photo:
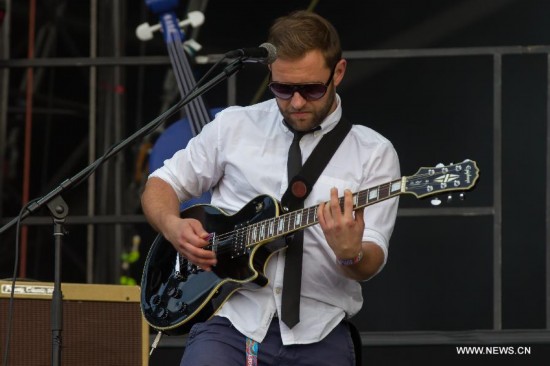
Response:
column 288, row 223
column 427, row 181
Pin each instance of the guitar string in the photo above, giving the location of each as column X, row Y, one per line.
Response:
column 291, row 216
column 225, row 242
column 256, row 231
column 249, row 233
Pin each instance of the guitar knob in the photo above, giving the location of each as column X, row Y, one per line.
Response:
column 182, row 307
column 155, row 299
column 161, row 313
column 174, row 292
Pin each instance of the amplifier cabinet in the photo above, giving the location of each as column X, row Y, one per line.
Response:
column 102, row 325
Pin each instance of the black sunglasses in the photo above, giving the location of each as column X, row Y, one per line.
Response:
column 309, row 91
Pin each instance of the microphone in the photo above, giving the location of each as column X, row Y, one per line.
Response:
column 266, row 53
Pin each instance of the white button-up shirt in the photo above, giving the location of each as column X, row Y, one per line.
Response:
column 241, row 154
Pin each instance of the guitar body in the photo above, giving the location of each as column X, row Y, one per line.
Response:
column 175, row 295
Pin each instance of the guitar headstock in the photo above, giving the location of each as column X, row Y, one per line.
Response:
column 428, row 181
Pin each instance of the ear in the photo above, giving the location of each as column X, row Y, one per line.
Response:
column 339, row 71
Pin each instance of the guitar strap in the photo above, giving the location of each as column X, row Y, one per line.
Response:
column 301, row 184
column 298, row 189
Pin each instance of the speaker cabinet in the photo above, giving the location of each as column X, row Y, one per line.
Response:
column 102, row 325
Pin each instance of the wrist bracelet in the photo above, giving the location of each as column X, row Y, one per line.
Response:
column 351, row 261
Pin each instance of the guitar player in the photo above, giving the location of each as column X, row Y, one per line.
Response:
column 242, row 154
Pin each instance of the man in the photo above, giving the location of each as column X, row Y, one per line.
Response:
column 243, row 153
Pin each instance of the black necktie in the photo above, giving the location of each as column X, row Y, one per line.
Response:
column 292, row 280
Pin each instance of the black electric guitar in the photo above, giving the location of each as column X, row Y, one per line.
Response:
column 175, row 294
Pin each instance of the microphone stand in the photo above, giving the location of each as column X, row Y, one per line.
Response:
column 59, row 209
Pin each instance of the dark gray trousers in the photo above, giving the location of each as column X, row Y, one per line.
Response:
column 217, row 343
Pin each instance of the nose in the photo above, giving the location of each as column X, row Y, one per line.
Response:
column 297, row 101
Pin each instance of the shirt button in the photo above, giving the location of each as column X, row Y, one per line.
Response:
column 278, row 290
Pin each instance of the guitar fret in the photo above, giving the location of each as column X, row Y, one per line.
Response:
column 262, row 231
column 298, row 219
column 292, row 221
column 287, row 222
column 254, row 233
column 249, row 234
column 280, row 225
column 271, row 227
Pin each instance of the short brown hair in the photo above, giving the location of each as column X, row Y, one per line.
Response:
column 303, row 31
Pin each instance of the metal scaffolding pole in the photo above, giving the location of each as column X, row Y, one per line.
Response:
column 92, row 131
column 111, row 183
column 4, row 87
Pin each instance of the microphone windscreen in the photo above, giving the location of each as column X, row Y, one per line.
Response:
column 271, row 52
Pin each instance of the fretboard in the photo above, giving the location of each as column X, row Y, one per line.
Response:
column 287, row 223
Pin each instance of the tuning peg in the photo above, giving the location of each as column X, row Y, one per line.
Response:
column 194, row 19
column 435, row 201
column 145, row 31
column 462, row 196
column 440, row 165
column 191, row 46
column 449, row 198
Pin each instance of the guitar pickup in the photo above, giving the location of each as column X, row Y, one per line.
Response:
column 238, row 241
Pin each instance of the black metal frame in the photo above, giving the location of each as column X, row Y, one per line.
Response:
column 497, row 335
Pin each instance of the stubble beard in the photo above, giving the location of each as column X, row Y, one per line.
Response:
column 315, row 117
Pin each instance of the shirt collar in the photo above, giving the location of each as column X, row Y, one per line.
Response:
column 332, row 119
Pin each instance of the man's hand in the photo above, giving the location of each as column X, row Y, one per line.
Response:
column 343, row 230
column 189, row 238
column 161, row 207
